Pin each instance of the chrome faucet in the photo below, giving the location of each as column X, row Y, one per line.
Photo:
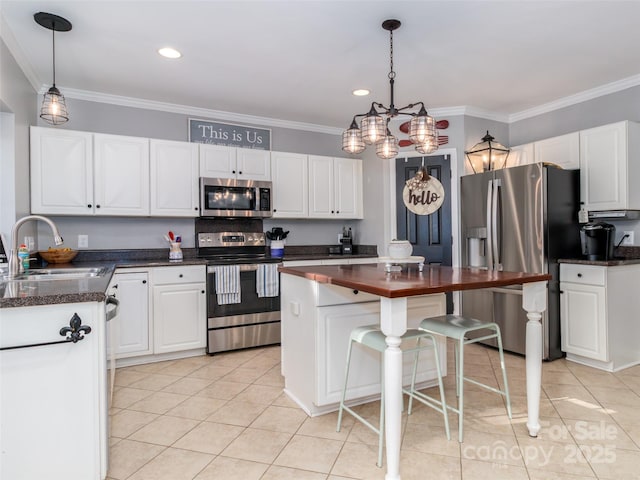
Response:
column 14, row 261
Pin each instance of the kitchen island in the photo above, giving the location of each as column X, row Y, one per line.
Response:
column 393, row 290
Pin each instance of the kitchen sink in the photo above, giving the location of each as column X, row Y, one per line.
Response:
column 59, row 274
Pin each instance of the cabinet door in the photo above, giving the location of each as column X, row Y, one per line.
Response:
column 519, row 155
column 563, row 151
column 121, row 175
column 347, row 180
column 603, row 167
column 253, row 164
column 583, row 320
column 174, row 169
column 61, row 172
column 179, row 317
column 217, row 161
column 130, row 328
column 290, row 174
column 321, row 195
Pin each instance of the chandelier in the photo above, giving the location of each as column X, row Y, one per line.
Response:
column 374, row 126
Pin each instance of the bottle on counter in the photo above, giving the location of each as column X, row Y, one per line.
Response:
column 23, row 256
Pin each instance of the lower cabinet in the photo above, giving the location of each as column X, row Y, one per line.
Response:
column 162, row 311
column 598, row 308
column 316, row 324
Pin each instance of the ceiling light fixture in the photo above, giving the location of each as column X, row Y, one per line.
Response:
column 169, row 52
column 374, row 129
column 488, row 154
column 54, row 106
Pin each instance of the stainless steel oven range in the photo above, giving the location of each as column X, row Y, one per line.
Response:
column 235, row 261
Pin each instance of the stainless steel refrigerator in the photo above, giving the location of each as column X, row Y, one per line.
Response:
column 519, row 219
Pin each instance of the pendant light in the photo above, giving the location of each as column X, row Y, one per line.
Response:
column 54, row 106
column 374, row 126
column 487, row 153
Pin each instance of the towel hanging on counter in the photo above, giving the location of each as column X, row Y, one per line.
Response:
column 267, row 280
column 227, row 284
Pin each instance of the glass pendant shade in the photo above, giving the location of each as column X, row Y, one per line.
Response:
column 373, row 128
column 422, row 127
column 388, row 147
column 429, row 145
column 352, row 140
column 54, row 107
column 488, row 155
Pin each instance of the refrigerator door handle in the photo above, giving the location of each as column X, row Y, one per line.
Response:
column 489, row 240
column 496, row 234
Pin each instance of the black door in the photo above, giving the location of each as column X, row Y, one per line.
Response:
column 430, row 235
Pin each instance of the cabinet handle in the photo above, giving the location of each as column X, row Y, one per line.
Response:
column 239, row 173
column 579, row 275
column 97, row 206
column 561, row 291
column 201, row 291
column 337, row 211
column 332, row 211
column 196, row 209
column 233, row 171
column 144, row 281
column 180, row 275
column 355, row 292
column 89, row 206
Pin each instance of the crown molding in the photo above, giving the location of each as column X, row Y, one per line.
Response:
column 194, row 111
column 580, row 97
column 18, row 54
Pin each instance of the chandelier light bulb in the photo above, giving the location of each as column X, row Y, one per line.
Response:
column 388, row 147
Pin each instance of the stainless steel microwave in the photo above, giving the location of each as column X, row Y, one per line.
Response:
column 228, row 197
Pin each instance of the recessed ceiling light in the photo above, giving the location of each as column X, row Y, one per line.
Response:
column 169, row 52
column 361, row 92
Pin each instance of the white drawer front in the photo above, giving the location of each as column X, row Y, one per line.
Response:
column 334, row 295
column 179, row 274
column 587, row 274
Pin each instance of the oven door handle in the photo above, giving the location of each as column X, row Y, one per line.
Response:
column 244, row 267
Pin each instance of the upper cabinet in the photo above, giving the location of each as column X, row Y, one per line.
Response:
column 606, row 171
column 563, row 151
column 80, row 173
column 335, row 187
column 61, row 171
column 289, row 174
column 218, row 161
column 520, row 155
column 121, row 175
column 174, row 170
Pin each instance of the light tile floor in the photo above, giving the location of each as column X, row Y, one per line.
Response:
column 226, row 417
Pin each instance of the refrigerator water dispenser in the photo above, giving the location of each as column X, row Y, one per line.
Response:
column 476, row 245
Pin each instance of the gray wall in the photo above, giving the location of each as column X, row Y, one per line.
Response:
column 18, row 102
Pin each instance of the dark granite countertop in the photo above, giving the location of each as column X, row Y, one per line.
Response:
column 621, row 256
column 46, row 292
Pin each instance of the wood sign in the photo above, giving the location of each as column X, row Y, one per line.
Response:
column 230, row 135
column 423, row 194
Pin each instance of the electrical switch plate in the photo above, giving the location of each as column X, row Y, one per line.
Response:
column 629, row 239
column 83, row 241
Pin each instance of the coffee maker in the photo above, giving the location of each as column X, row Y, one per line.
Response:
column 598, row 240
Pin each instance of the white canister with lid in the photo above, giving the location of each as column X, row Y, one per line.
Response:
column 400, row 249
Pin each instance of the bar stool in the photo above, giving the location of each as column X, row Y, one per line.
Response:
column 457, row 327
column 371, row 336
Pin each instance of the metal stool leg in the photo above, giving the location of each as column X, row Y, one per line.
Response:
column 460, row 384
column 344, row 388
column 504, row 373
column 440, row 386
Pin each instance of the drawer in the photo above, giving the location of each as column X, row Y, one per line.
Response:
column 586, row 274
column 334, row 295
column 179, row 274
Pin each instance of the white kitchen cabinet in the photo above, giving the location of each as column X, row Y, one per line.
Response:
column 316, row 323
column 335, row 187
column 53, row 398
column 129, row 334
column 174, row 170
column 519, row 155
column 609, row 167
column 563, row 151
column 598, row 308
column 121, row 175
column 218, row 161
column 290, row 174
column 179, row 308
column 61, row 172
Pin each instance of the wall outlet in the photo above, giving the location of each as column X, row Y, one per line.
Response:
column 629, row 239
column 83, row 241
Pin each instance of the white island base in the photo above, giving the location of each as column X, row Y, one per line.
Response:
column 317, row 320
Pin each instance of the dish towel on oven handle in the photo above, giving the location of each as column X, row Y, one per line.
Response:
column 227, row 284
column 267, row 281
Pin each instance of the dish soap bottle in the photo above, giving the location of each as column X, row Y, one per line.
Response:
column 23, row 255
